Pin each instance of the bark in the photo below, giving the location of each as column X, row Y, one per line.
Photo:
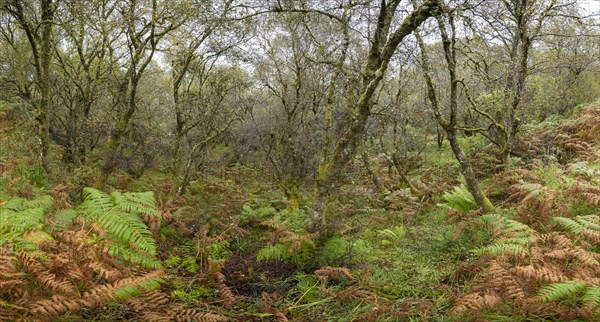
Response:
column 450, row 125
column 367, row 164
column 439, row 137
column 480, row 198
column 41, row 44
column 143, row 46
column 402, row 172
column 330, row 173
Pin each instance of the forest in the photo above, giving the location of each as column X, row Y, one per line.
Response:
column 299, row 160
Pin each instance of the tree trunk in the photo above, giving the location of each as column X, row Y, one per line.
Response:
column 403, row 176
column 40, row 40
column 381, row 51
column 480, row 198
column 449, row 125
column 367, row 164
column 114, row 142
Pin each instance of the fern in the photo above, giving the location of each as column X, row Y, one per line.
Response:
column 500, row 249
column 63, row 218
column 592, row 296
column 560, row 291
column 132, row 256
column 119, row 214
column 19, row 216
column 285, row 252
column 459, row 199
column 333, row 249
column 579, row 223
column 130, row 290
column 513, row 237
column 507, row 228
column 249, row 215
column 391, row 234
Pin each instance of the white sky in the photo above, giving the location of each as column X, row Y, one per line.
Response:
column 593, row 6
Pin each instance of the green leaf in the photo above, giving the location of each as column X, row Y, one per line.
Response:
column 560, row 291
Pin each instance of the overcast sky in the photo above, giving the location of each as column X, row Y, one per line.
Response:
column 593, row 6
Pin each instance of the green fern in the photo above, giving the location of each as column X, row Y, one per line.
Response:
column 508, row 228
column 19, row 216
column 249, row 215
column 333, row 249
column 560, row 291
column 500, row 249
column 459, row 199
column 128, row 291
column 579, row 223
column 513, row 236
column 306, row 288
column 135, row 257
column 592, row 296
column 283, row 252
column 118, row 214
column 63, row 218
column 391, row 235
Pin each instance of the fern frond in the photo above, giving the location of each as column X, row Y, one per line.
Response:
column 501, row 249
column 133, row 256
column 490, row 219
column 119, row 290
column 559, row 291
column 476, row 302
column 460, row 199
column 591, row 222
column 45, row 202
column 128, row 228
column 569, row 224
column 95, row 203
column 119, row 215
column 592, row 296
column 136, row 202
column 327, row 273
column 19, row 216
column 63, row 218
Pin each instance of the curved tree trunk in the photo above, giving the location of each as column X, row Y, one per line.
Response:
column 381, row 51
column 449, row 125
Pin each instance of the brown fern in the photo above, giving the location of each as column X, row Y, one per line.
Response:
column 196, row 316
column 227, row 297
column 267, row 305
column 327, row 273
column 584, row 193
column 11, row 278
column 540, row 273
column 60, row 304
column 44, row 276
column 475, row 303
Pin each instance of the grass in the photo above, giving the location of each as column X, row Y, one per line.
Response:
column 406, row 255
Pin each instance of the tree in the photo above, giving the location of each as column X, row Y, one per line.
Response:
column 37, row 20
column 509, row 28
column 449, row 123
column 293, row 83
column 145, row 24
column 87, row 65
column 196, row 43
column 383, row 42
column 215, row 100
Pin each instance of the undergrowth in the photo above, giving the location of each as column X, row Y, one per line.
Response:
column 235, row 249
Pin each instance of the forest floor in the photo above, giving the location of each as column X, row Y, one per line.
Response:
column 234, row 249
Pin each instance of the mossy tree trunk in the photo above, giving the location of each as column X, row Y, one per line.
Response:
column 383, row 44
column 449, row 125
column 39, row 36
column 142, row 45
column 525, row 19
